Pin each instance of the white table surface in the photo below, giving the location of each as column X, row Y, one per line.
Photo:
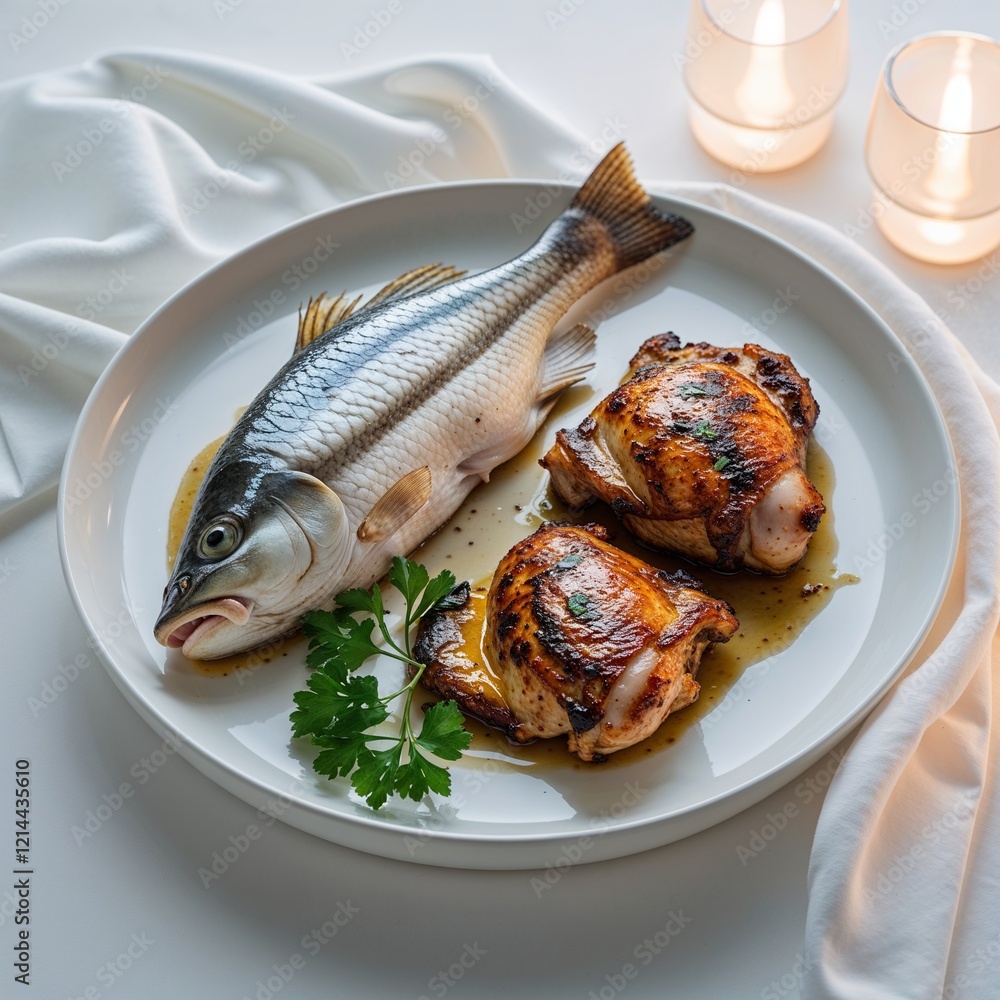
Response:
column 119, row 910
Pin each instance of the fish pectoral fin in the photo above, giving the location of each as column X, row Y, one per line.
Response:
column 567, row 359
column 317, row 510
column 420, row 279
column 321, row 314
column 396, row 506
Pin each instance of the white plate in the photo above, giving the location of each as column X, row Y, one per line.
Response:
column 207, row 351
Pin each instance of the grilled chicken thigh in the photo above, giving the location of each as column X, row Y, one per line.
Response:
column 582, row 639
column 701, row 452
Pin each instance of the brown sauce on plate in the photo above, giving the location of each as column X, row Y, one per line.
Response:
column 773, row 611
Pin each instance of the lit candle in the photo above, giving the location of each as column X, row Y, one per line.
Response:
column 764, row 78
column 763, row 95
column 949, row 179
column 934, row 147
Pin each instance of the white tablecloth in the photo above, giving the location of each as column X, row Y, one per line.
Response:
column 136, row 871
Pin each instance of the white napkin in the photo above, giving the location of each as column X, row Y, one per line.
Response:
column 135, row 172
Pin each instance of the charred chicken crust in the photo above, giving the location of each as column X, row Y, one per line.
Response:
column 582, row 639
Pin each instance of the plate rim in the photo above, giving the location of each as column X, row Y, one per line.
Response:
column 374, row 824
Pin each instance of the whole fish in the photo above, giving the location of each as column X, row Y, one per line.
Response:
column 387, row 415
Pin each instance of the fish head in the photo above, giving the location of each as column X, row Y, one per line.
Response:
column 260, row 550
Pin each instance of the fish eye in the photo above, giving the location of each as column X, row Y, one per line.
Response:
column 220, row 538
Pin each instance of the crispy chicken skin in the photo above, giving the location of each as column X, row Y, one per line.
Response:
column 702, row 452
column 583, row 639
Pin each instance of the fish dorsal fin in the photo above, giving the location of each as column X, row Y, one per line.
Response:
column 396, row 506
column 420, row 279
column 321, row 314
column 324, row 312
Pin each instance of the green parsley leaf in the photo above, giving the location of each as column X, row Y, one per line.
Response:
column 688, row 390
column 720, row 463
column 326, row 631
column 340, row 710
column 578, row 605
column 442, row 585
column 356, row 600
column 358, row 645
column 329, row 698
column 355, row 718
column 315, row 706
column 443, row 732
column 375, row 777
column 419, row 774
column 568, row 562
column 340, row 756
column 704, row 430
column 409, row 578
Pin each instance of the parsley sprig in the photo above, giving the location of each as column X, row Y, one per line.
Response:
column 340, row 707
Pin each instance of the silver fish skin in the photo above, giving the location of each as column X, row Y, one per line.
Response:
column 370, row 437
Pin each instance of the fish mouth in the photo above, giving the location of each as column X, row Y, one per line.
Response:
column 190, row 627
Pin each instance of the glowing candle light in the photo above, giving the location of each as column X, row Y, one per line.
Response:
column 764, row 76
column 763, row 94
column 949, row 178
column 934, row 147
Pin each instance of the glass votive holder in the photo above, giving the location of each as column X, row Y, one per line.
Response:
column 764, row 77
column 933, row 147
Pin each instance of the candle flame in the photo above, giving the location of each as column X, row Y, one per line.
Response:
column 763, row 95
column 950, row 179
column 941, row 232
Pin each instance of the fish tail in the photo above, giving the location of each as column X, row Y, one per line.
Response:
column 614, row 196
